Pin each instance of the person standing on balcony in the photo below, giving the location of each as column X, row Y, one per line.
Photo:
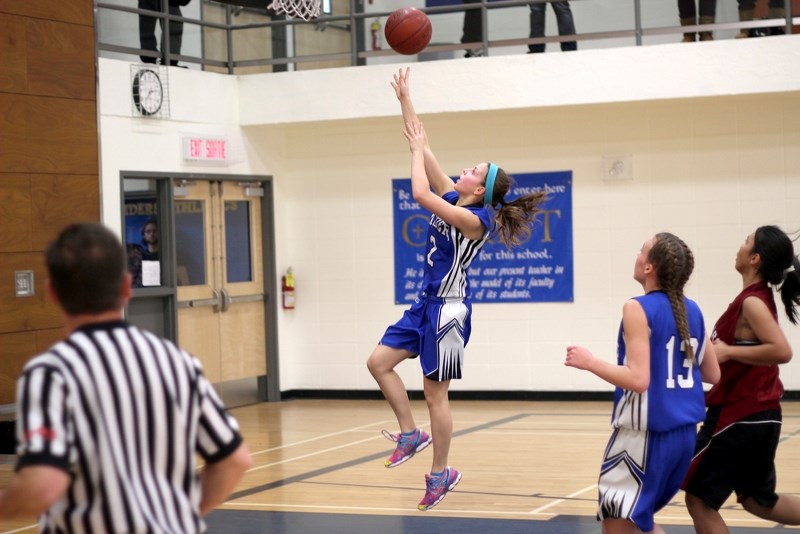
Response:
column 566, row 25
column 747, row 10
column 688, row 11
column 473, row 29
column 147, row 30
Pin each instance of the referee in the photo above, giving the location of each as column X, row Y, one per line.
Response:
column 110, row 419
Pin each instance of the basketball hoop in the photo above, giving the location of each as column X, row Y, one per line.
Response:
column 303, row 9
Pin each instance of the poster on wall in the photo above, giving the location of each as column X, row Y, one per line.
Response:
column 538, row 270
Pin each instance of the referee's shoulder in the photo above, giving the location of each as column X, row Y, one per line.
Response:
column 51, row 358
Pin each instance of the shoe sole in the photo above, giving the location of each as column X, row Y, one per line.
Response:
column 419, row 448
column 437, row 501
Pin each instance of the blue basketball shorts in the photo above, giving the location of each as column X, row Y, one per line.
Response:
column 436, row 330
column 642, row 471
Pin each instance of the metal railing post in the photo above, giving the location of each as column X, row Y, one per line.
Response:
column 165, row 35
column 229, row 37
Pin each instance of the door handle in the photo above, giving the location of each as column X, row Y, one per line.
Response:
column 226, row 300
column 214, row 301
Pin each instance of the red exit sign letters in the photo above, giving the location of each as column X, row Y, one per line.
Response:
column 205, row 148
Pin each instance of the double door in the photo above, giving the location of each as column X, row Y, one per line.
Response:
column 220, row 277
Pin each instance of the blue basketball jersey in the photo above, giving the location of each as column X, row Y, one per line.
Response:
column 448, row 253
column 675, row 396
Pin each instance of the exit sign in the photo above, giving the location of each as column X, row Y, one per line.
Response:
column 196, row 148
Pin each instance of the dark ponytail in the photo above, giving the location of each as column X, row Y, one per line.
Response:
column 779, row 266
column 513, row 219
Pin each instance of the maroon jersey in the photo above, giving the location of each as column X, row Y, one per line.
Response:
column 744, row 389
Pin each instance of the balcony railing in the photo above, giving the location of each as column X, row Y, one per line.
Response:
column 240, row 39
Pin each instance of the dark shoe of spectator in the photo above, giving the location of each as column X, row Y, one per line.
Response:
column 707, row 35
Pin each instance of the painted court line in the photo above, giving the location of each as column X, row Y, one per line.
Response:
column 23, row 529
column 438, row 509
column 323, row 436
column 559, row 501
column 315, row 453
column 356, row 461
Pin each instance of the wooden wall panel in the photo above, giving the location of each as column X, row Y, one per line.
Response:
column 48, row 135
column 48, row 159
column 49, row 337
column 61, row 200
column 15, row 350
column 72, row 11
column 13, row 54
column 15, row 212
column 58, row 64
column 23, row 314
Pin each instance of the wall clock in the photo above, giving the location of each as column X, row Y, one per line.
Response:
column 149, row 91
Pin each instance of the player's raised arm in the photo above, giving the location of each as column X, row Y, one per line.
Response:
column 437, row 178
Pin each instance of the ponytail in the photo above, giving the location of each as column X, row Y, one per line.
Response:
column 513, row 220
column 790, row 291
column 779, row 266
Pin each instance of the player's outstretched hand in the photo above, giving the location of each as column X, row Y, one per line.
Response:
column 400, row 83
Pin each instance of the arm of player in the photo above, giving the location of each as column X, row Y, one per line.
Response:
column 401, row 90
column 635, row 374
column 435, row 176
column 32, row 491
column 467, row 222
column 218, row 480
column 440, row 181
column 773, row 348
column 709, row 367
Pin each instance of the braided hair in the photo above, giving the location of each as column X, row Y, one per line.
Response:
column 513, row 219
column 779, row 266
column 674, row 263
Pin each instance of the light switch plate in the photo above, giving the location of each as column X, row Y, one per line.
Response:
column 23, row 283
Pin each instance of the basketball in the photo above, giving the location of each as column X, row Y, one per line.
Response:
column 408, row 30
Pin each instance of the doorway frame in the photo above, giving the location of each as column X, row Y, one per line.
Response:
column 268, row 387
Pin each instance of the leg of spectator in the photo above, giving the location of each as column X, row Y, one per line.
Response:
column 175, row 34
column 473, row 27
column 746, row 8
column 566, row 24
column 147, row 29
column 777, row 11
column 537, row 27
column 688, row 15
column 708, row 14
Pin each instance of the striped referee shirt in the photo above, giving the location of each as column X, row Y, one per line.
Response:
column 123, row 412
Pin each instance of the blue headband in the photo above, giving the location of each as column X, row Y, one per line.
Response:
column 490, row 176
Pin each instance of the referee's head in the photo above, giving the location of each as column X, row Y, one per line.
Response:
column 87, row 269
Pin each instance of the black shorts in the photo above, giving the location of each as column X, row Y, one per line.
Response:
column 740, row 458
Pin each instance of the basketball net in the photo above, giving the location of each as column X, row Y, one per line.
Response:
column 303, row 9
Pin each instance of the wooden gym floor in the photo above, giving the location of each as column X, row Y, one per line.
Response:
column 527, row 467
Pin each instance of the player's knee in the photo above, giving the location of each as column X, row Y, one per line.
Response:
column 373, row 365
column 695, row 505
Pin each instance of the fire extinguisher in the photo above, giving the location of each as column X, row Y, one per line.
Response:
column 287, row 289
column 375, row 28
